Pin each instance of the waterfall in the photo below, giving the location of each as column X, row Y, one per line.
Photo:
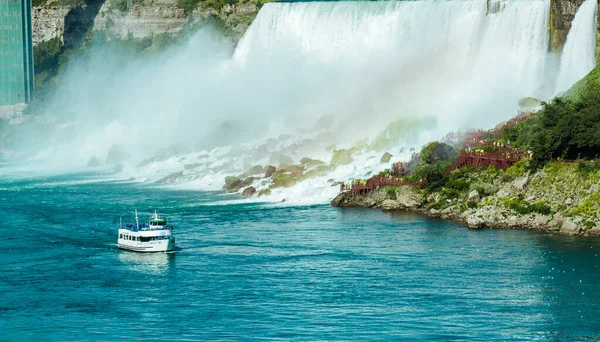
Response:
column 579, row 54
column 459, row 60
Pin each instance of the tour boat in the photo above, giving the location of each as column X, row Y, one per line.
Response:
column 154, row 236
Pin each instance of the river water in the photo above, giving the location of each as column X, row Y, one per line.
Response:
column 262, row 271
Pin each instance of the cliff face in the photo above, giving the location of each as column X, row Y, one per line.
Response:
column 562, row 198
column 138, row 19
column 562, row 13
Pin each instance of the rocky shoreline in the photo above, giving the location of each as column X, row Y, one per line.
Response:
column 558, row 199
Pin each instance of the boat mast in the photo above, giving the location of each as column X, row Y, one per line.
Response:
column 137, row 223
column 121, row 222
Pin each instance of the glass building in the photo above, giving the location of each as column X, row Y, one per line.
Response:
column 16, row 52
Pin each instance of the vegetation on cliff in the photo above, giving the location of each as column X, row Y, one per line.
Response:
column 565, row 128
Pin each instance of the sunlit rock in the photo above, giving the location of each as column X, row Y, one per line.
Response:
column 386, row 157
column 269, row 170
column 249, row 191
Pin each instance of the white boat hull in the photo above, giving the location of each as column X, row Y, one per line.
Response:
column 160, row 240
column 150, row 246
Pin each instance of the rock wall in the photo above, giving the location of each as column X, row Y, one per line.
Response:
column 48, row 23
column 140, row 20
column 562, row 13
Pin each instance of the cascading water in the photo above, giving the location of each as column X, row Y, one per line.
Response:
column 578, row 56
column 311, row 75
column 458, row 60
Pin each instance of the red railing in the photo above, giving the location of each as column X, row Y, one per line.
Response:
column 502, row 159
column 375, row 182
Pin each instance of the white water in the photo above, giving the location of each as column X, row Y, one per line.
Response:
column 325, row 72
column 579, row 53
column 442, row 58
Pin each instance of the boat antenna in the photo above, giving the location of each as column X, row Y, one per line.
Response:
column 137, row 223
column 121, row 222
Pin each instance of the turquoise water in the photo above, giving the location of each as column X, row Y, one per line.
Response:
column 258, row 272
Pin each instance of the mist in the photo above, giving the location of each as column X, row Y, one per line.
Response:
column 304, row 76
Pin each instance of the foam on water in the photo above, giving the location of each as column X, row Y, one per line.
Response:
column 310, row 75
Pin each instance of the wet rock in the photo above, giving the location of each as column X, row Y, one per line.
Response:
column 529, row 102
column 93, row 162
column 116, row 155
column 308, row 162
column 269, row 170
column 338, row 200
column 249, row 191
column 342, row 157
column 170, row 178
column 234, row 184
column 264, row 192
column 283, row 179
column 386, row 157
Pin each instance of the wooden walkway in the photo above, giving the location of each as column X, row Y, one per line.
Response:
column 501, row 159
column 358, row 188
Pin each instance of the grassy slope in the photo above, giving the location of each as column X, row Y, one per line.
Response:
column 591, row 82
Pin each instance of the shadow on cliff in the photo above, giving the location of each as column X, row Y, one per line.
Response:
column 79, row 21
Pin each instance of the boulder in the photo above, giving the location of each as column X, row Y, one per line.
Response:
column 474, row 196
column 116, row 155
column 390, row 204
column 269, row 170
column 308, row 162
column 283, row 179
column 385, row 158
column 342, row 157
column 93, row 162
column 170, row 178
column 338, row 200
column 234, row 184
column 474, row 221
column 408, row 197
column 264, row 192
column 529, row 102
column 249, row 191
column 569, row 227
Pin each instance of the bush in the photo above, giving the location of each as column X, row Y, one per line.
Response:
column 471, row 204
column 435, row 152
column 523, row 208
column 485, row 189
column 390, row 191
column 518, row 168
